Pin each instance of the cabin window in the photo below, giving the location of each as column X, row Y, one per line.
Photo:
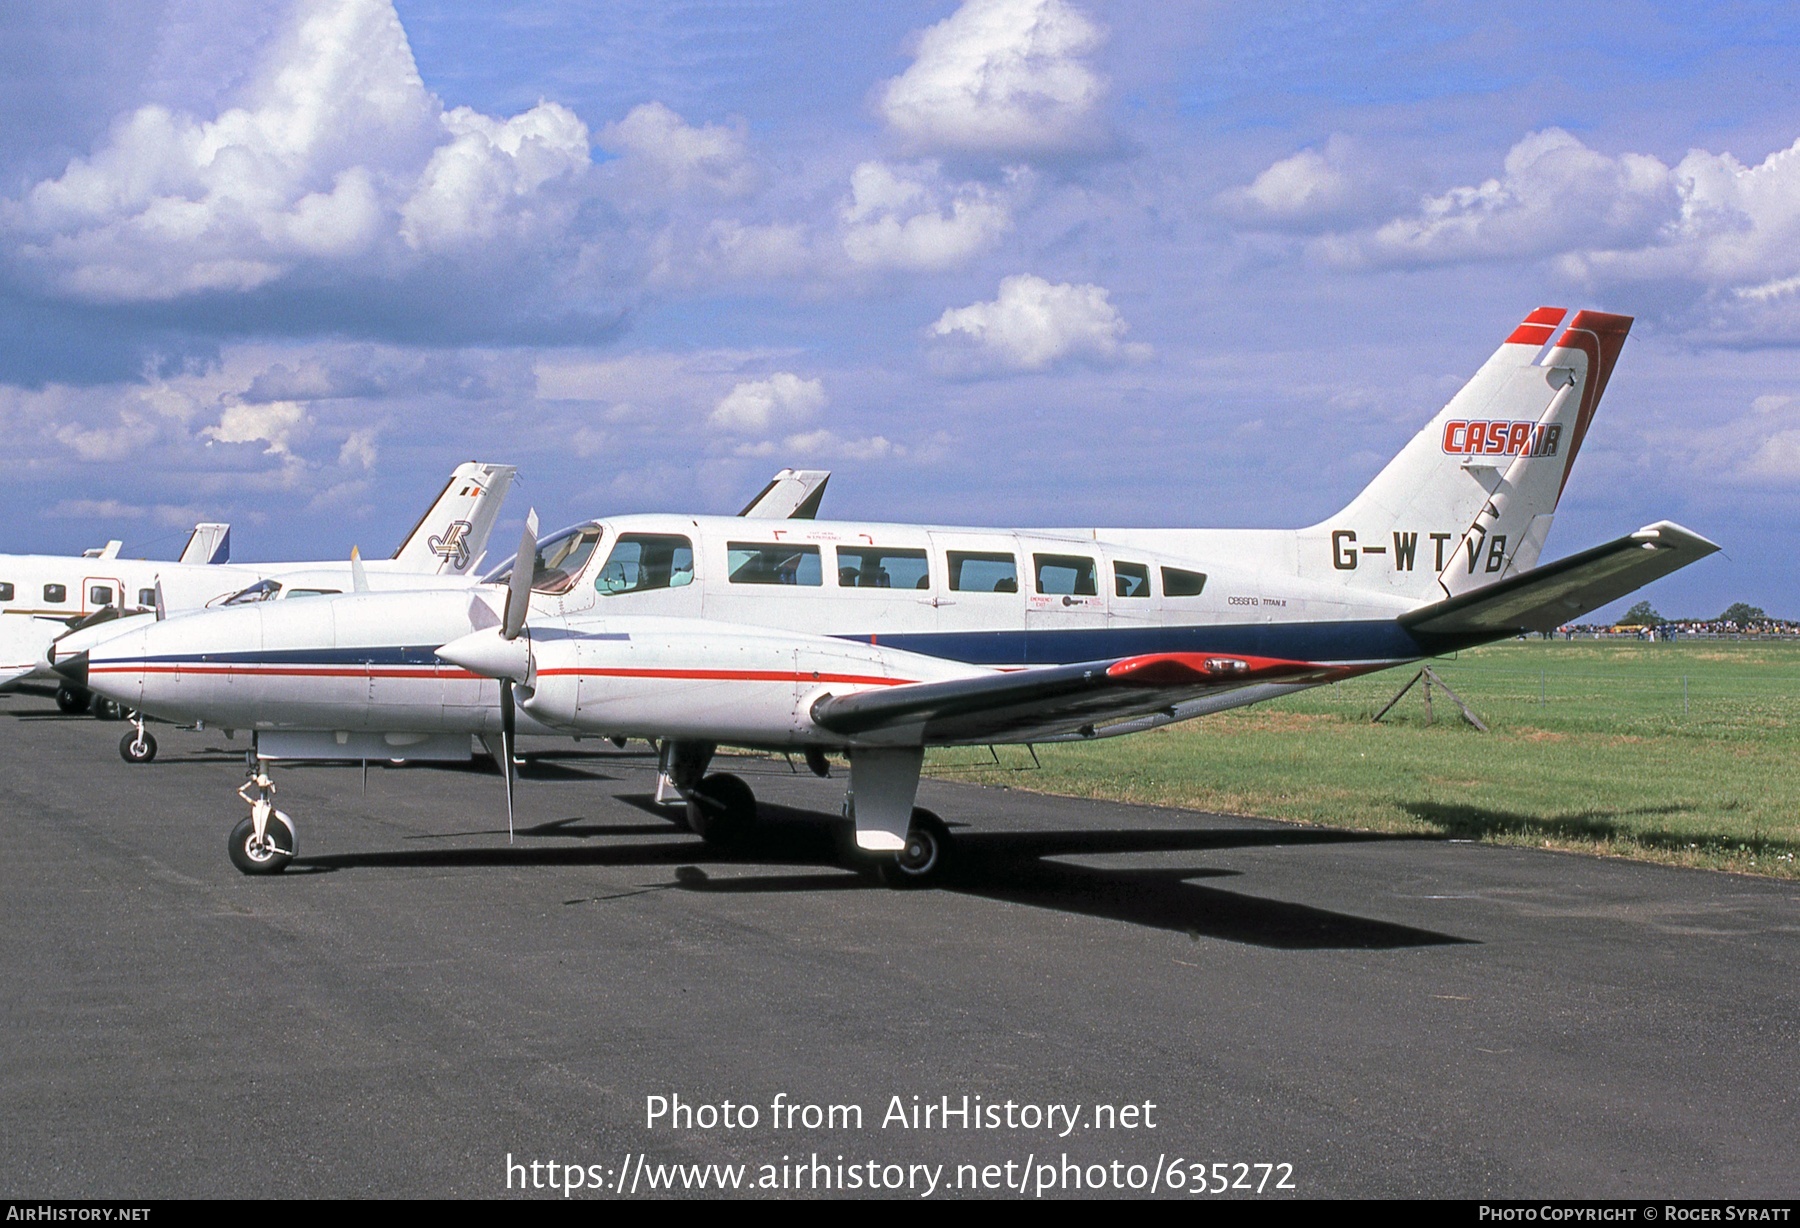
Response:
column 1178, row 583
column 6, row 590
column 752, row 563
column 55, row 594
column 873, row 568
column 100, row 594
column 312, row 592
column 146, row 596
column 645, row 561
column 983, row 573
column 1131, row 579
column 1065, row 574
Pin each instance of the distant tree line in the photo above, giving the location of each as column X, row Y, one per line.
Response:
column 1740, row 612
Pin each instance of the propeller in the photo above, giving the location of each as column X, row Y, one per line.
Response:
column 504, row 652
column 162, row 609
column 359, row 579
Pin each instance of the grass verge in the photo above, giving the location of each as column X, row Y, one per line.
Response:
column 1682, row 753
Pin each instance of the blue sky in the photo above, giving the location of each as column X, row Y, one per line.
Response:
column 999, row 262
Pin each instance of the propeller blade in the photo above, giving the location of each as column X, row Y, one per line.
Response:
column 162, row 609
column 506, row 749
column 359, row 579
column 518, row 593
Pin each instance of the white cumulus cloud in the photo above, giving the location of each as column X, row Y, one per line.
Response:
column 1000, row 77
column 660, row 155
column 1713, row 242
column 1033, row 324
column 333, row 153
column 754, row 406
column 906, row 217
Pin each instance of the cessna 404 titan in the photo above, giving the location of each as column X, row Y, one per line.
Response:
column 879, row 640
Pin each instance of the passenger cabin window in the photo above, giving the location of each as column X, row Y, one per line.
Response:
column 983, row 573
column 6, row 591
column 146, row 596
column 1065, row 574
column 777, row 564
column 1131, row 579
column 55, row 594
column 874, row 568
column 1178, row 583
column 99, row 594
column 644, row 561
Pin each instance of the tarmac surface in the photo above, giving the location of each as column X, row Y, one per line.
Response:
column 420, row 1008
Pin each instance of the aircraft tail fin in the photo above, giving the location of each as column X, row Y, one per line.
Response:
column 1470, row 499
column 451, row 536
column 792, row 494
column 208, row 543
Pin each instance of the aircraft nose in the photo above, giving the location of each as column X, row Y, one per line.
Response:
column 74, row 668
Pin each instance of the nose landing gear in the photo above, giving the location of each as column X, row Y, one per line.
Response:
column 264, row 843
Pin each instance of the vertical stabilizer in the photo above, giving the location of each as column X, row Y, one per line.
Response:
column 208, row 543
column 1470, row 499
column 452, row 535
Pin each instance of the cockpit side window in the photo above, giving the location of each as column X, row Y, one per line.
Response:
column 558, row 561
column 644, row 561
column 262, row 590
column 6, row 590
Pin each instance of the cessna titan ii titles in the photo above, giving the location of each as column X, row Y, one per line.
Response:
column 879, row 640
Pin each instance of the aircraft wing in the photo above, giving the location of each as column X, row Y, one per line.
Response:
column 1054, row 699
column 1544, row 598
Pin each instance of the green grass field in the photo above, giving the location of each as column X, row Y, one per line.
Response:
column 1684, row 753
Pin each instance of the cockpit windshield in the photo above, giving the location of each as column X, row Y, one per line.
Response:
column 262, row 590
column 560, row 559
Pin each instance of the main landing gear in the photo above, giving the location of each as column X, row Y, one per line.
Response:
column 73, row 699
column 264, row 843
column 904, row 845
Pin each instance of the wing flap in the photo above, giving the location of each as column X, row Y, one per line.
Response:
column 1546, row 597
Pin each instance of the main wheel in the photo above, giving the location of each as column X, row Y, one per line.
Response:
column 272, row 854
column 137, row 747
column 108, row 709
column 721, row 810
column 73, row 699
column 926, row 857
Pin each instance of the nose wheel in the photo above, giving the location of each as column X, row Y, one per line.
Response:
column 264, row 843
column 138, row 746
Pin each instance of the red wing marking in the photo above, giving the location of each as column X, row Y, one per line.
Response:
column 1194, row 668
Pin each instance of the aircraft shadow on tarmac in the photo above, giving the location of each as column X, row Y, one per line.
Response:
column 1016, row 867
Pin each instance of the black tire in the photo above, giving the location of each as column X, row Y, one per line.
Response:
column 132, row 750
column 108, row 709
column 925, row 860
column 271, row 859
column 73, row 699
column 721, row 810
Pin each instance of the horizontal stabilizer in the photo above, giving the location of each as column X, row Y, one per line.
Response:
column 1065, row 696
column 1546, row 597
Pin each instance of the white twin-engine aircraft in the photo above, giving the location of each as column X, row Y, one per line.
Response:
column 43, row 595
column 880, row 640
